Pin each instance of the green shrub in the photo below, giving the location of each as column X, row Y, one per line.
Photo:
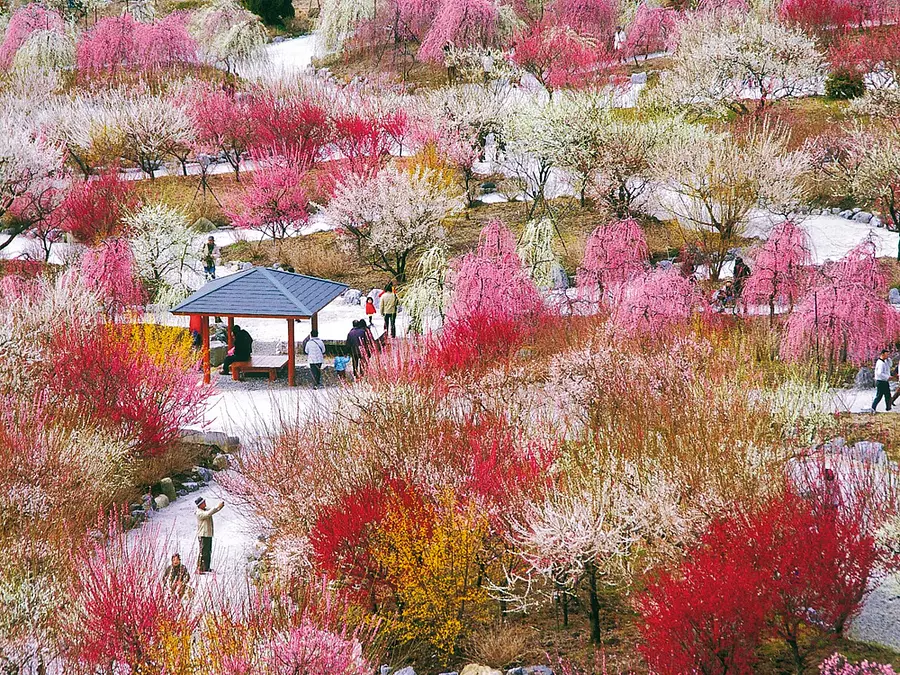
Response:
column 271, row 11
column 844, row 84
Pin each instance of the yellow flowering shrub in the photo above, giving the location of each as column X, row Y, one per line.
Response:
column 434, row 565
column 162, row 343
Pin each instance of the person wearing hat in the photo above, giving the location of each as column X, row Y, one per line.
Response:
column 205, row 533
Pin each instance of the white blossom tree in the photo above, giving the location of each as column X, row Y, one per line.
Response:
column 710, row 183
column 161, row 239
column 26, row 165
column 876, row 175
column 228, row 34
column 527, row 159
column 725, row 59
column 153, row 128
column 46, row 50
column 387, row 218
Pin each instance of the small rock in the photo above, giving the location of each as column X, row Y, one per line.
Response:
column 865, row 378
column 138, row 517
column 204, row 474
column 220, row 462
column 856, row 210
column 167, row 487
column 815, row 212
column 846, row 214
column 475, row 669
column 384, row 670
column 862, row 217
column 876, row 222
column 638, row 78
column 190, row 486
column 537, row 670
column 894, row 296
column 835, row 211
column 405, row 671
column 161, row 501
column 182, row 492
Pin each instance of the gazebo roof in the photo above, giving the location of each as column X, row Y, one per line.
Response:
column 262, row 292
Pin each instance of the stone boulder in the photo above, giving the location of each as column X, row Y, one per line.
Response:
column 862, row 217
column 865, row 378
column 167, row 487
column 351, row 296
column 405, row 671
column 202, row 474
column 217, row 353
column 530, row 670
column 894, row 296
column 475, row 669
column 876, row 222
column 161, row 501
column 846, row 214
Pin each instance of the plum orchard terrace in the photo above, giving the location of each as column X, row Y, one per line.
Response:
column 264, row 294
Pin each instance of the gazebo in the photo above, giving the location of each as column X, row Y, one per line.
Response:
column 260, row 293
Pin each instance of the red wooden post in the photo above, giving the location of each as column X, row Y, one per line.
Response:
column 204, row 336
column 230, row 333
column 291, row 364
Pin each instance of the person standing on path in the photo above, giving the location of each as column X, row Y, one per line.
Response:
column 210, row 251
column 315, row 356
column 358, row 344
column 389, row 310
column 205, row 533
column 882, row 377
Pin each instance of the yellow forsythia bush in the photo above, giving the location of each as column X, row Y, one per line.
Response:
column 434, row 565
column 162, row 343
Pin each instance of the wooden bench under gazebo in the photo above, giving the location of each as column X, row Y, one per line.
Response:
column 260, row 293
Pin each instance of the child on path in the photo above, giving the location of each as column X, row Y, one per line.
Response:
column 370, row 309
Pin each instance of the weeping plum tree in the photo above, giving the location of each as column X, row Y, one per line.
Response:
column 779, row 268
column 614, row 254
column 844, row 315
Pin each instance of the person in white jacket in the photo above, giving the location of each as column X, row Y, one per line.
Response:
column 205, row 533
column 882, row 376
column 315, row 356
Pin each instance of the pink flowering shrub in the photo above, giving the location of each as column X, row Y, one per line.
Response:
column 655, row 303
column 110, row 270
column 837, row 664
column 594, row 18
column 462, row 23
column 25, row 21
column 121, row 42
column 309, row 649
column 651, row 31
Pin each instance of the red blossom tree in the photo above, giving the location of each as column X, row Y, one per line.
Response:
column 221, row 121
column 614, row 254
column 824, row 16
column 652, row 30
column 276, row 202
column 288, row 125
column 93, row 209
column 795, row 562
column 366, row 141
column 558, row 57
column 121, row 42
column 25, row 21
column 780, row 268
column 107, row 379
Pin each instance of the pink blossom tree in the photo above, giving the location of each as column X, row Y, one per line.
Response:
column 37, row 213
column 844, row 316
column 492, row 282
column 779, row 268
column 108, row 45
column 289, row 124
column 110, row 270
column 165, row 42
column 220, row 120
column 614, row 254
column 559, row 57
column 366, row 140
column 652, row 30
column 825, row 16
column 594, row 18
column 461, row 23
column 25, row 21
column 275, row 203
column 654, row 303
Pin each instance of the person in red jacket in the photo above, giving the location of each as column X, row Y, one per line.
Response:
column 370, row 309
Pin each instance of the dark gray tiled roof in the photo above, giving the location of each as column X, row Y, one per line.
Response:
column 260, row 291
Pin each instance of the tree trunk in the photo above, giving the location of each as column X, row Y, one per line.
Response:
column 596, row 636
